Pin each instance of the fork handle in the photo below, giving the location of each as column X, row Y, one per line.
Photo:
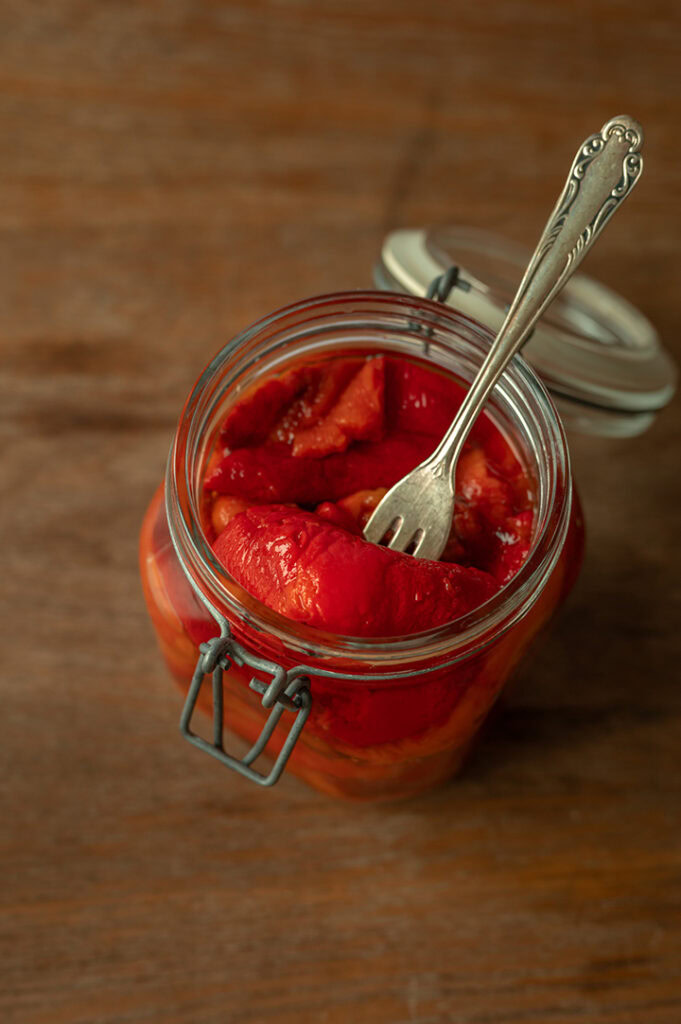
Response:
column 604, row 171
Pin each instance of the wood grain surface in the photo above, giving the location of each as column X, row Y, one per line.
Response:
column 171, row 171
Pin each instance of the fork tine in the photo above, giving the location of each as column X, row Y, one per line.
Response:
column 378, row 525
column 417, row 541
column 412, row 503
column 422, row 545
column 401, row 534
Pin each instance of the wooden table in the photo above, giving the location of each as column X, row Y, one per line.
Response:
column 170, row 172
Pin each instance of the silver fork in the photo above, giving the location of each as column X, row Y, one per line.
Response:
column 416, row 513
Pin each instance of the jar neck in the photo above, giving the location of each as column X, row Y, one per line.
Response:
column 367, row 322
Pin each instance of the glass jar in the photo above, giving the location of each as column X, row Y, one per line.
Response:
column 377, row 719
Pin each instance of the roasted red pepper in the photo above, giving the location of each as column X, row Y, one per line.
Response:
column 331, row 438
column 312, row 571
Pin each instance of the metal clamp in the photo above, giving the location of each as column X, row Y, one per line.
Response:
column 288, row 691
column 441, row 286
column 439, row 290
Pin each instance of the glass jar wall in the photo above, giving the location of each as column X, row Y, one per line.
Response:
column 388, row 718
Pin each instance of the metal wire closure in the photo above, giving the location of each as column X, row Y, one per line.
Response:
column 440, row 287
column 288, row 691
column 439, row 290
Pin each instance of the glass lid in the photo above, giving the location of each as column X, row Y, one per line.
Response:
column 599, row 356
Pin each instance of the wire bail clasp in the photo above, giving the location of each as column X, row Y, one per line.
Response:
column 440, row 287
column 288, row 691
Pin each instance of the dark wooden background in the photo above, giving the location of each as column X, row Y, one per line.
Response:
column 170, row 171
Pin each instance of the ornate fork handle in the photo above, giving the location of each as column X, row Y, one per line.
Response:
column 605, row 169
column 416, row 513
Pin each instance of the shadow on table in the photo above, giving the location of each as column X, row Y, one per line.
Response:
column 606, row 665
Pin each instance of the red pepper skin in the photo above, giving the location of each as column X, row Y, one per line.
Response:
column 264, row 474
column 312, row 571
column 251, row 419
column 357, row 415
column 288, row 406
column 419, row 398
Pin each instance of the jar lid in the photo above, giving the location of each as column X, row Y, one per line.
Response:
column 599, row 356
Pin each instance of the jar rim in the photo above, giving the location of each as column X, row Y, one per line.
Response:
column 419, row 318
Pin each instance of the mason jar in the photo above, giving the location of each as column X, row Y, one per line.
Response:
column 360, row 718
